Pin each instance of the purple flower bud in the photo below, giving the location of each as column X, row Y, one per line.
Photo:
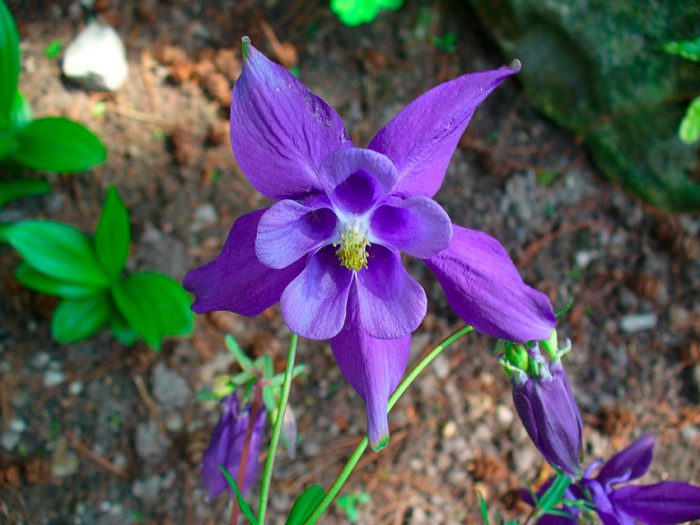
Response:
column 227, row 446
column 547, row 408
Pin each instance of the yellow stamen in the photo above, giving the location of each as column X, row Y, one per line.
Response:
column 353, row 250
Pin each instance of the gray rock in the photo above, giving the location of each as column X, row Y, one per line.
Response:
column 96, row 58
column 204, row 215
column 53, row 378
column 151, row 444
column 9, row 440
column 638, row 322
column 169, row 387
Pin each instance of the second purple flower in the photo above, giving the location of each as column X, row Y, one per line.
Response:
column 329, row 248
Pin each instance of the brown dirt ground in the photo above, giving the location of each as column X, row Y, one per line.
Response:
column 118, row 440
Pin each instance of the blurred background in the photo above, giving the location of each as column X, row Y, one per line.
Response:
column 576, row 166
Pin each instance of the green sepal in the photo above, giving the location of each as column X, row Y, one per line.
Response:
column 18, row 188
column 58, row 144
column 305, row 505
column 45, row 284
column 552, row 497
column 76, row 319
column 113, row 235
column 238, row 354
column 689, row 130
column 154, row 306
column 57, row 250
column 245, row 508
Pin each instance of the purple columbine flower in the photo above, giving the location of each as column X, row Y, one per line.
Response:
column 665, row 503
column 329, row 247
column 228, row 443
column 545, row 403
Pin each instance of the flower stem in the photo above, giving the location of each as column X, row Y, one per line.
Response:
column 277, row 430
column 362, row 446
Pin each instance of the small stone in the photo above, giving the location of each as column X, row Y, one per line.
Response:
column 96, row 58
column 441, row 366
column 147, row 489
column 75, row 388
column 18, row 426
column 151, row 444
column 53, row 378
column 173, row 422
column 9, row 440
column 638, row 322
column 450, row 429
column 504, row 415
column 40, row 360
column 64, row 462
column 678, row 316
column 169, row 387
column 205, row 215
column 524, row 460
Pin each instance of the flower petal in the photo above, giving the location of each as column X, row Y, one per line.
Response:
column 484, row 288
column 417, row 226
column 630, row 463
column 280, row 131
column 391, row 304
column 236, row 280
column 314, row 304
column 373, row 367
column 663, row 503
column 356, row 178
column 289, row 230
column 422, row 138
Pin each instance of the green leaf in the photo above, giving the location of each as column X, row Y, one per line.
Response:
column 121, row 329
column 21, row 111
column 57, row 250
column 77, row 319
column 8, row 143
column 9, row 62
column 689, row 131
column 58, row 144
column 154, row 305
column 11, row 190
column 40, row 282
column 688, row 49
column 53, row 49
column 238, row 354
column 305, row 504
column 484, row 510
column 245, row 508
column 113, row 235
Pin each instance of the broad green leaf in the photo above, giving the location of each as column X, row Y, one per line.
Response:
column 113, row 235
column 11, row 190
column 688, row 49
column 21, row 112
column 245, row 508
column 40, row 282
column 58, row 144
column 689, row 131
column 77, row 319
column 57, row 250
column 9, row 62
column 305, row 504
column 154, row 305
column 8, row 142
column 121, row 329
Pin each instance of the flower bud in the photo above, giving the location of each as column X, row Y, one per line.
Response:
column 547, row 408
column 235, row 435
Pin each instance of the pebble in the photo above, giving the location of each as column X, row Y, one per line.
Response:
column 151, row 444
column 504, row 415
column 53, row 378
column 64, row 462
column 75, row 388
column 204, row 215
column 450, row 429
column 173, row 422
column 96, row 58
column 637, row 322
column 9, row 440
column 524, row 460
column 40, row 360
column 441, row 366
column 18, row 426
column 169, row 387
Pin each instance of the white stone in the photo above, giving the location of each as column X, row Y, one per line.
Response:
column 96, row 58
column 637, row 322
column 53, row 378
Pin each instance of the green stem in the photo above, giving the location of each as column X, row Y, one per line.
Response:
column 277, row 430
column 362, row 446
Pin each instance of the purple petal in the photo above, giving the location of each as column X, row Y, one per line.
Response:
column 356, row 178
column 289, row 230
column 417, row 226
column 236, row 280
column 373, row 367
column 630, row 463
column 667, row 502
column 421, row 139
column 280, row 131
column 314, row 303
column 391, row 304
column 484, row 288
